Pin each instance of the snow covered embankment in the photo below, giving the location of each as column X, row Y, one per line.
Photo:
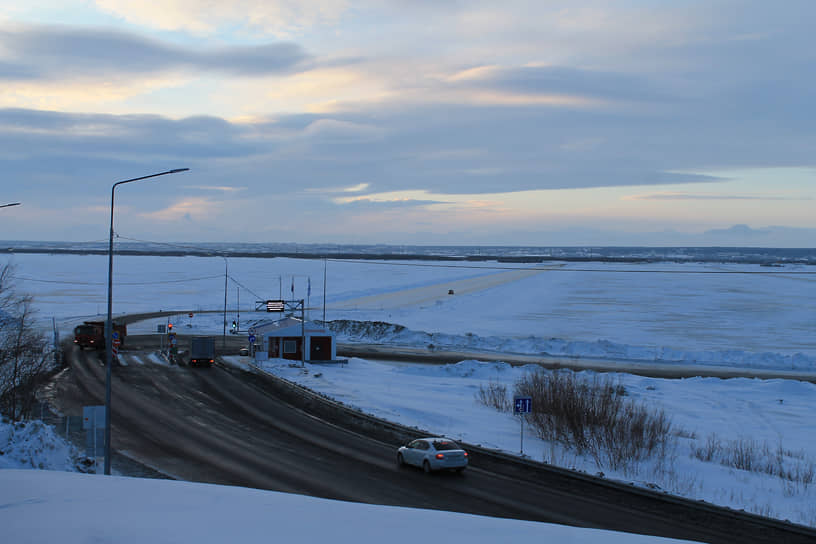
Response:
column 366, row 332
column 33, row 444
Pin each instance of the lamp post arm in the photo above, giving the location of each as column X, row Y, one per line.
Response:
column 174, row 171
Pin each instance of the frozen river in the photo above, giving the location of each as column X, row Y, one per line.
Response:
column 626, row 310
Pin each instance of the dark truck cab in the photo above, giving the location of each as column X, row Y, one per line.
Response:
column 91, row 334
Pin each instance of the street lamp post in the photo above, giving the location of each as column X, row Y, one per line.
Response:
column 109, row 321
column 226, row 275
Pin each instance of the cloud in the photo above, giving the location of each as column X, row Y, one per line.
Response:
column 692, row 196
column 281, row 17
column 222, row 189
column 65, row 52
column 590, row 86
column 191, row 209
column 333, row 130
column 377, row 204
column 357, row 188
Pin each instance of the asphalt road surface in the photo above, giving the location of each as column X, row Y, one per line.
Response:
column 224, row 426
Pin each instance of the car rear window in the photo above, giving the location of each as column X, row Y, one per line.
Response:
column 446, row 445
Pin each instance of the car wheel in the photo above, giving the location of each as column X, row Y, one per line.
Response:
column 426, row 466
column 400, row 461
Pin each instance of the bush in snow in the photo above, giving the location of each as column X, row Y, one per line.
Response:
column 494, row 395
column 750, row 455
column 593, row 416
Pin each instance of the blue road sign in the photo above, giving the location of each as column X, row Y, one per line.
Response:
column 522, row 405
column 251, row 338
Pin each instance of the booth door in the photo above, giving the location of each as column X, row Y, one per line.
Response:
column 320, row 348
column 274, row 348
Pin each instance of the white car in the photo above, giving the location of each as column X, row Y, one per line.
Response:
column 433, row 453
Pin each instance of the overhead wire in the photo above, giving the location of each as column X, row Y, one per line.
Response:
column 182, row 280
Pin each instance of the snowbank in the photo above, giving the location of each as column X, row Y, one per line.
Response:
column 33, row 444
column 41, row 506
column 367, row 332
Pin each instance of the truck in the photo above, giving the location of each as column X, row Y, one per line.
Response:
column 202, row 351
column 91, row 334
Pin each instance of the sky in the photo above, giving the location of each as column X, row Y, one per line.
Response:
column 521, row 123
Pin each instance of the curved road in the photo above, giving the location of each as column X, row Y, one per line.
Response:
column 223, row 426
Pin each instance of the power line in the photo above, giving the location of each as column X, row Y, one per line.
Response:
column 180, row 246
column 182, row 280
column 239, row 284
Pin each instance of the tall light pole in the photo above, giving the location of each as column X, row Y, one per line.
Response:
column 226, row 274
column 109, row 321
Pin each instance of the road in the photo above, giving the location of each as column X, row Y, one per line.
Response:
column 430, row 294
column 651, row 369
column 227, row 426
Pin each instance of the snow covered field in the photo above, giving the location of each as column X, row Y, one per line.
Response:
column 723, row 314
column 690, row 313
column 42, row 506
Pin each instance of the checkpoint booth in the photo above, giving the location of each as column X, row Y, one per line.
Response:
column 292, row 338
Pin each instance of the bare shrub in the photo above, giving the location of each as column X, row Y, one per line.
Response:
column 707, row 452
column 494, row 395
column 592, row 416
column 25, row 355
column 749, row 455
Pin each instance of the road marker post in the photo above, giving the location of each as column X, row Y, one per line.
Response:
column 522, row 406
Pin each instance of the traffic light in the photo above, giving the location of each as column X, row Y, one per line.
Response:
column 234, row 326
column 169, row 326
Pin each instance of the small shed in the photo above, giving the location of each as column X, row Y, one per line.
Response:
column 291, row 338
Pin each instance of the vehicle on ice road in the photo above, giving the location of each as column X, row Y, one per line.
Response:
column 433, row 453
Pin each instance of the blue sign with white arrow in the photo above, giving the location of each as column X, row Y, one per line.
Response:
column 522, row 405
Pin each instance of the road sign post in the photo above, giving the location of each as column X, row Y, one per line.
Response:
column 93, row 422
column 521, row 407
column 116, row 343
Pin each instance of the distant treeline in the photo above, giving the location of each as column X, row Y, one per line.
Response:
column 714, row 257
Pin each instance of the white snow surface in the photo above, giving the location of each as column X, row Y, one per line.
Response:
column 675, row 315
column 33, row 444
column 44, row 506
column 685, row 313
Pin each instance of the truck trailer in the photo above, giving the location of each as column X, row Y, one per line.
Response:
column 202, row 351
